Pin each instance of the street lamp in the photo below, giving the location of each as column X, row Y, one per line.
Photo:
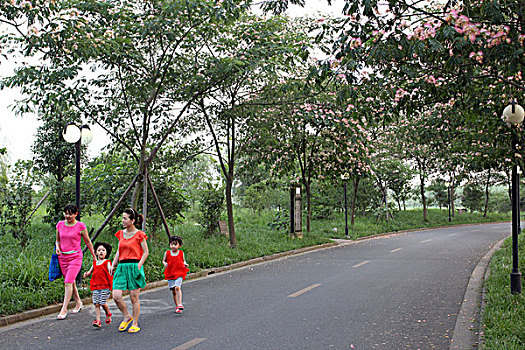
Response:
column 513, row 114
column 77, row 135
column 345, row 178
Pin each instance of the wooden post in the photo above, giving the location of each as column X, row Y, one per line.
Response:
column 298, row 224
column 156, row 198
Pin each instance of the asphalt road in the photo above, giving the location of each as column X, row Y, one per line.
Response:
column 396, row 292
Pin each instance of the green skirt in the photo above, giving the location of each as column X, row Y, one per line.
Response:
column 129, row 277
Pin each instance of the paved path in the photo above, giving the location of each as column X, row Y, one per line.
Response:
column 396, row 292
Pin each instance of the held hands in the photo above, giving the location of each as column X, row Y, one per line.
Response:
column 86, row 274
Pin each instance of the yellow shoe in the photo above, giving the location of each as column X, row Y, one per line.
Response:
column 133, row 329
column 124, row 325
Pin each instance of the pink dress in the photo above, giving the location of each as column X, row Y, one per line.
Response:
column 70, row 260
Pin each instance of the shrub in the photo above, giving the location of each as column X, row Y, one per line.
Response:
column 211, row 207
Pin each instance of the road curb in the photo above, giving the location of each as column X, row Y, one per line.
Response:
column 468, row 323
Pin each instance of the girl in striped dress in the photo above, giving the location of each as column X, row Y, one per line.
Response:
column 102, row 282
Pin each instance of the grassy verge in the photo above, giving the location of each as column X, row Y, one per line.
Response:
column 504, row 314
column 23, row 274
column 403, row 220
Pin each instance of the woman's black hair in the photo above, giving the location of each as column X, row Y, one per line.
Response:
column 71, row 209
column 174, row 239
column 133, row 215
column 105, row 245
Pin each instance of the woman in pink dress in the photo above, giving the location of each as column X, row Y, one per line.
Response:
column 70, row 255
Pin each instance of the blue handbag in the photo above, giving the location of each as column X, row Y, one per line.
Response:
column 54, row 268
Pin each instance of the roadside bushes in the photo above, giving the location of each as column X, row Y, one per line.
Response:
column 211, row 206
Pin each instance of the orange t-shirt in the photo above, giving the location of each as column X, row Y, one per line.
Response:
column 130, row 248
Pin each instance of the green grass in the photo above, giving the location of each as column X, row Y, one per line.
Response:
column 504, row 313
column 403, row 220
column 23, row 274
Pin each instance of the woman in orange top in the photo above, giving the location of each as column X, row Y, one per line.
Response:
column 128, row 267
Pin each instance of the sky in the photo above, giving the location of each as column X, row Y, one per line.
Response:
column 17, row 133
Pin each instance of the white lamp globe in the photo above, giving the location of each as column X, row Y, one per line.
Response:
column 516, row 117
column 86, row 134
column 71, row 133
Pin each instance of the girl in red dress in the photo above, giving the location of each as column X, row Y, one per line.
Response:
column 102, row 282
column 175, row 271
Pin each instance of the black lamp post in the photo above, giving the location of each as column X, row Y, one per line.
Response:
column 345, row 177
column 513, row 114
column 79, row 136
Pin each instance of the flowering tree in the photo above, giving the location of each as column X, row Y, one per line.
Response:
column 312, row 141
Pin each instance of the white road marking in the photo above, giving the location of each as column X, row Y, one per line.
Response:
column 304, row 290
column 452, row 234
column 425, row 241
column 396, row 250
column 190, row 344
column 361, row 263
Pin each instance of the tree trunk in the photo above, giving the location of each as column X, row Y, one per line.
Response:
column 229, row 210
column 145, row 199
column 134, row 202
column 308, row 190
column 354, row 200
column 156, row 198
column 385, row 199
column 452, row 205
column 486, row 196
column 423, row 197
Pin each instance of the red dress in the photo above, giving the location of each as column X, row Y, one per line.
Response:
column 101, row 279
column 175, row 268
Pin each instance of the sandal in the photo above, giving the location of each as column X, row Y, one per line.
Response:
column 76, row 311
column 97, row 324
column 108, row 318
column 124, row 325
column 133, row 329
column 61, row 316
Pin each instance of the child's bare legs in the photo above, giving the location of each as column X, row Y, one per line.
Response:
column 177, row 296
column 117, row 296
column 97, row 312
column 106, row 310
column 174, row 294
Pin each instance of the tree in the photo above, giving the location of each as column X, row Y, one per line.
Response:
column 17, row 201
column 211, row 208
column 440, row 192
column 472, row 197
column 313, row 141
